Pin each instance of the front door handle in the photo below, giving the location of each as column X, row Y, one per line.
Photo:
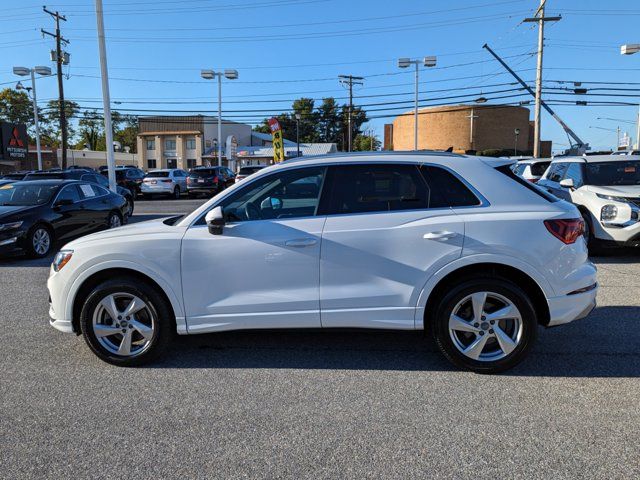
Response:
column 301, row 242
column 442, row 235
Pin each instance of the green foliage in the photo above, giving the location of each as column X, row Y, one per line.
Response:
column 328, row 123
column 15, row 107
column 366, row 143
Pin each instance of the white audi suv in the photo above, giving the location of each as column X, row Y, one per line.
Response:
column 455, row 245
column 606, row 190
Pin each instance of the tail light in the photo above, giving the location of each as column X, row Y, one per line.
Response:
column 566, row 230
column 189, row 180
column 534, row 180
column 215, row 179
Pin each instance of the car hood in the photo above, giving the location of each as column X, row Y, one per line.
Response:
column 632, row 191
column 6, row 211
column 149, row 228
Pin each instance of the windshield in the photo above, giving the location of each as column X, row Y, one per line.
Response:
column 613, row 173
column 157, row 174
column 24, row 195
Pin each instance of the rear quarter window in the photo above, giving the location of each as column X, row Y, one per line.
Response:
column 505, row 170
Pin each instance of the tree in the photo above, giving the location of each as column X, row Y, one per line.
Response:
column 90, row 130
column 15, row 107
column 358, row 118
column 50, row 129
column 366, row 143
column 328, row 124
column 128, row 134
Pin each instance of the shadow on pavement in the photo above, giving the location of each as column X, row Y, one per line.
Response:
column 603, row 345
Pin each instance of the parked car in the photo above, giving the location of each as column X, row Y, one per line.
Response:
column 464, row 249
column 532, row 170
column 606, row 190
column 169, row 181
column 35, row 214
column 209, row 180
column 128, row 177
column 244, row 172
column 85, row 176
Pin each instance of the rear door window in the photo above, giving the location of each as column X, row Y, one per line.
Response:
column 376, row 188
column 70, row 192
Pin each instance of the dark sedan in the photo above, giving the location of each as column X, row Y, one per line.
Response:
column 129, row 178
column 36, row 214
column 85, row 175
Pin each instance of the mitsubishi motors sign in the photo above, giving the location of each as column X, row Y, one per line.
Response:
column 14, row 141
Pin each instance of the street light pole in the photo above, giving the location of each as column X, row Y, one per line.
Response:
column 210, row 75
column 404, row 63
column 44, row 71
column 298, row 117
column 515, row 148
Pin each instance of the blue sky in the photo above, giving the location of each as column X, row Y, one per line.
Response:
column 284, row 49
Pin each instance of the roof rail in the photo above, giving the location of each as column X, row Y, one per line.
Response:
column 426, row 153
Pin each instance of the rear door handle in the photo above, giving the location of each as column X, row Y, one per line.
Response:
column 443, row 235
column 301, row 242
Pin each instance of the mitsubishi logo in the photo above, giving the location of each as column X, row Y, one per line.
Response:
column 16, row 141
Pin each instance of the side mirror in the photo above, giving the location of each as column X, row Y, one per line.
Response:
column 63, row 202
column 567, row 183
column 215, row 221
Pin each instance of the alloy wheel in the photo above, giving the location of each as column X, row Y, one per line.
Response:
column 114, row 221
column 485, row 326
column 41, row 241
column 124, row 324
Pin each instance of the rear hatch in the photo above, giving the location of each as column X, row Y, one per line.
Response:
column 203, row 177
column 156, row 178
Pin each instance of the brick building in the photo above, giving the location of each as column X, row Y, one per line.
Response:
column 465, row 128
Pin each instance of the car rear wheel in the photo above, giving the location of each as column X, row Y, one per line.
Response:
column 126, row 322
column 176, row 193
column 485, row 325
column 39, row 242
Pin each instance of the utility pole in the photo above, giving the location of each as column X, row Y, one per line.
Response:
column 539, row 18
column 638, row 130
column 60, row 60
column 471, row 117
column 350, row 80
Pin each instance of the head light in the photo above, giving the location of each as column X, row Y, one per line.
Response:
column 608, row 212
column 61, row 259
column 10, row 226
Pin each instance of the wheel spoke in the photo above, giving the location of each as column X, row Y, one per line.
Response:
column 477, row 301
column 125, row 345
column 506, row 344
column 145, row 331
column 458, row 324
column 105, row 330
column 135, row 305
column 475, row 348
column 506, row 312
column 109, row 304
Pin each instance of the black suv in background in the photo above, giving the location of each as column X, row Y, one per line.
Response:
column 209, row 180
column 85, row 175
column 129, row 178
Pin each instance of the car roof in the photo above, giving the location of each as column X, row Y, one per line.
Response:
column 596, row 158
column 532, row 161
column 49, row 181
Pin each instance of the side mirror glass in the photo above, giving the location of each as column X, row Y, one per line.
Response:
column 273, row 203
column 567, row 183
column 215, row 221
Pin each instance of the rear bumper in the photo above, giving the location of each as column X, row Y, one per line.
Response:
column 568, row 308
column 157, row 189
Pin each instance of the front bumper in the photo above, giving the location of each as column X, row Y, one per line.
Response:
column 568, row 308
column 56, row 307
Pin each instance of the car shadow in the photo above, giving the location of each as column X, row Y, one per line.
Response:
column 602, row 345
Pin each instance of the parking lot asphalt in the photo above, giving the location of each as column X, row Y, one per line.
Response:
column 318, row 404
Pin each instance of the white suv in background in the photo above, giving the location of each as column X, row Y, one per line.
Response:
column 168, row 181
column 606, row 189
column 532, row 169
column 456, row 245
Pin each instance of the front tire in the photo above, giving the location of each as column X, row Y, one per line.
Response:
column 486, row 325
column 126, row 322
column 114, row 220
column 39, row 241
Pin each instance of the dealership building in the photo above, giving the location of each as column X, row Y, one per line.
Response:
column 465, row 128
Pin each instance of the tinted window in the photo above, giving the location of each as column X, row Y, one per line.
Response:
column 452, row 192
column 102, row 180
column 538, row 169
column 289, row 194
column 376, row 188
column 249, row 170
column 157, row 174
column 556, row 171
column 70, row 192
column 614, row 173
column 575, row 173
column 89, row 177
column 202, row 172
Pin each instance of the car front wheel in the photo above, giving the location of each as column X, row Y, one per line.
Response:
column 126, row 322
column 39, row 241
column 487, row 325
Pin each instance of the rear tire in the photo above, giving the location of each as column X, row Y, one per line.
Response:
column 476, row 344
column 145, row 334
column 176, row 193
